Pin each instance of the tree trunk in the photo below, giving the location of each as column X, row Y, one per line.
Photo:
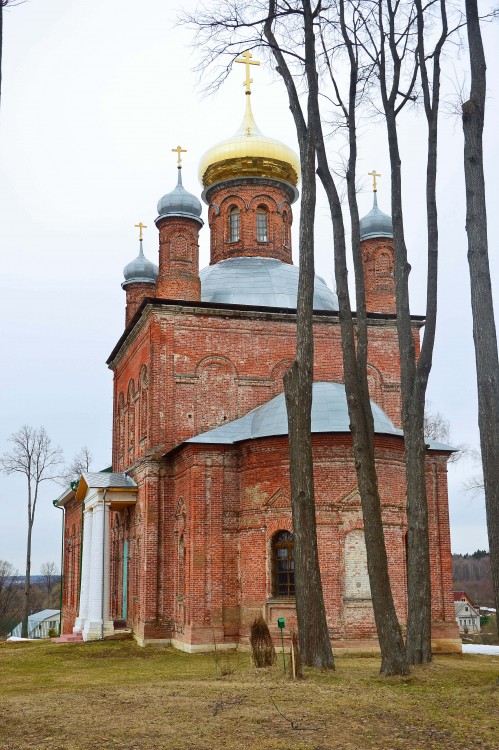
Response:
column 484, row 329
column 313, row 633
column 27, row 582
column 413, row 386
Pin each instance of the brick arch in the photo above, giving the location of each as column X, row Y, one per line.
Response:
column 216, row 401
column 283, row 523
column 375, row 384
column 131, row 391
column 232, row 200
column 277, row 373
column 285, row 206
column 263, row 199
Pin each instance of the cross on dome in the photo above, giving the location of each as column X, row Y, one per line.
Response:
column 374, row 174
column 179, row 151
column 246, row 60
column 140, row 227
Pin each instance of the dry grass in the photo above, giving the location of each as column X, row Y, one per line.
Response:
column 98, row 696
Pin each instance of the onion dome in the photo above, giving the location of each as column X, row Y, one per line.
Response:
column 249, row 153
column 376, row 223
column 263, row 282
column 140, row 270
column 179, row 203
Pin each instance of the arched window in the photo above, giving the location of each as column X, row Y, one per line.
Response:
column 285, row 229
column 234, row 223
column 283, row 564
column 262, row 224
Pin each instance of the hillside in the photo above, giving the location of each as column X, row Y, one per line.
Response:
column 472, row 573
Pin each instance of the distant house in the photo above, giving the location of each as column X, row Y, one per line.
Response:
column 39, row 624
column 467, row 615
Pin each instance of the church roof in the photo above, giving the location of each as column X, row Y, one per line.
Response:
column 265, row 282
column 103, row 479
column 329, row 414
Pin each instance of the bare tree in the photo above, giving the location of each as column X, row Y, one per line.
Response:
column 296, row 57
column 404, row 40
column 34, row 457
column 484, row 328
column 80, row 463
column 10, row 600
column 354, row 334
column 3, row 4
column 50, row 578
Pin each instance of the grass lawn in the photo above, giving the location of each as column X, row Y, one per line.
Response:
column 96, row 696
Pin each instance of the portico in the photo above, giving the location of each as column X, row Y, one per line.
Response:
column 99, row 493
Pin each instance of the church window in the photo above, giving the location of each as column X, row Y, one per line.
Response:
column 283, row 564
column 234, row 223
column 285, row 229
column 262, row 221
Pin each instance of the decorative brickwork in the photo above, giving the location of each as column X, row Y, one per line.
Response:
column 377, row 257
column 178, row 259
column 271, row 199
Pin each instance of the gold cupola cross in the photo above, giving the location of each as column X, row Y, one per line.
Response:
column 140, row 227
column 374, row 174
column 246, row 59
column 179, row 151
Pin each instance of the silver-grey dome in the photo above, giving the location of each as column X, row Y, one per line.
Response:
column 376, row 223
column 179, row 203
column 329, row 414
column 140, row 270
column 265, row 282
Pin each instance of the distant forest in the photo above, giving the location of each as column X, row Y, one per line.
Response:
column 472, row 573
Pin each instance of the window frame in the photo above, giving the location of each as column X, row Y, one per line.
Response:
column 262, row 229
column 283, row 540
column 234, row 224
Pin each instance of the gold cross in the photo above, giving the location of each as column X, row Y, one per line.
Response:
column 246, row 59
column 374, row 174
column 179, row 151
column 140, row 227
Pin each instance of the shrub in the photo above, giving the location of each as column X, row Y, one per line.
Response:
column 262, row 646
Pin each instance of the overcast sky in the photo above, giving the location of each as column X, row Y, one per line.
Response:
column 94, row 97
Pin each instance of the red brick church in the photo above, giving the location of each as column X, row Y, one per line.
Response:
column 190, row 535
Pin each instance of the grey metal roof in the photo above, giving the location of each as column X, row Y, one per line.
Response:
column 329, row 414
column 375, row 223
column 259, row 281
column 107, row 479
column 179, row 202
column 140, row 270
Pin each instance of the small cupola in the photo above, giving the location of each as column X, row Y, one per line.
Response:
column 179, row 202
column 140, row 270
column 140, row 279
column 376, row 223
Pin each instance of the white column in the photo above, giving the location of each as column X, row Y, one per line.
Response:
column 85, row 571
column 97, row 626
column 108, row 623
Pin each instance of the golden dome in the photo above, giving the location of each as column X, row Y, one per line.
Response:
column 249, row 153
